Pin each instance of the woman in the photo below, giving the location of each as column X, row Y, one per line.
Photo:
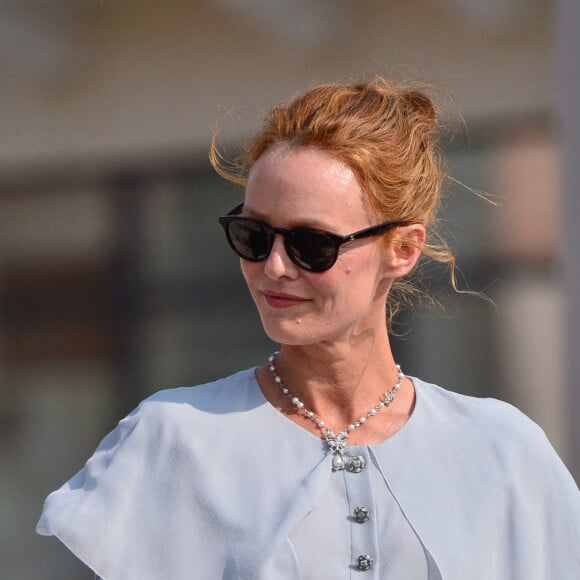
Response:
column 327, row 461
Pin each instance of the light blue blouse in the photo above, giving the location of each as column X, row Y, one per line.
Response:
column 329, row 541
column 212, row 482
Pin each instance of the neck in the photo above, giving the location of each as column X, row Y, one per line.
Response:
column 339, row 383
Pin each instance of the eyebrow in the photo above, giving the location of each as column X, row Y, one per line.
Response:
column 294, row 224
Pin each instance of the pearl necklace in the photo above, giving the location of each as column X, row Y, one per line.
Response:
column 336, row 442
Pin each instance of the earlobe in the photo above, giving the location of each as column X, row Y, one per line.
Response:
column 404, row 250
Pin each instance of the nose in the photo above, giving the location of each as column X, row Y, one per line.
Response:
column 278, row 264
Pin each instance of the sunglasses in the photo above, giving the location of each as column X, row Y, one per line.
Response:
column 310, row 249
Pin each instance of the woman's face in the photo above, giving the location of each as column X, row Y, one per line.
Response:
column 289, row 188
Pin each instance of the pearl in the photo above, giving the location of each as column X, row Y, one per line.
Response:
column 337, row 462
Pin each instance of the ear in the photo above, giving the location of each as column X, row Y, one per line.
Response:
column 404, row 249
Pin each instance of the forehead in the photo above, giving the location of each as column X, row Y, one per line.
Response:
column 305, row 185
column 310, row 159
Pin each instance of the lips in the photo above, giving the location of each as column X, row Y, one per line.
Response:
column 283, row 300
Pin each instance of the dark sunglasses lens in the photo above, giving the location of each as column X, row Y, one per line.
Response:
column 312, row 250
column 249, row 238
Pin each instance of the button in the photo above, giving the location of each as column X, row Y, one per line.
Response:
column 362, row 514
column 356, row 464
column 364, row 562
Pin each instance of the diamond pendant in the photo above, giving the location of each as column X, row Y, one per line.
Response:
column 337, row 443
column 337, row 461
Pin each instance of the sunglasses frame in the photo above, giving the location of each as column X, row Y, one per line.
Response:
column 337, row 239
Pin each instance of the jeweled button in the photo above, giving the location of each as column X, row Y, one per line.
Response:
column 356, row 464
column 365, row 562
column 361, row 514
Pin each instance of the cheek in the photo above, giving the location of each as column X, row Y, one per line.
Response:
column 350, row 271
column 250, row 270
column 359, row 281
column 252, row 273
column 332, row 289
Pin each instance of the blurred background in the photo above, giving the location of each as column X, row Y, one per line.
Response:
column 115, row 279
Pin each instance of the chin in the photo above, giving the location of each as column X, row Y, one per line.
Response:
column 286, row 336
column 284, row 331
column 297, row 332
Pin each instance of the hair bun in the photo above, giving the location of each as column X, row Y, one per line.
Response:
column 420, row 106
